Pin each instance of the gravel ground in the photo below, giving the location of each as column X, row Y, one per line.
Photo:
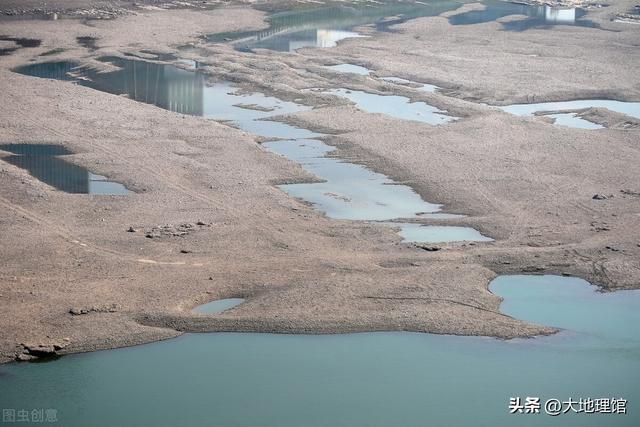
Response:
column 525, row 182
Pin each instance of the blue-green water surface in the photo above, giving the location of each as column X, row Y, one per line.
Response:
column 370, row 379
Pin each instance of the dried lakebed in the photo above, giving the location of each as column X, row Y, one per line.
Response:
column 349, row 191
column 364, row 379
column 372, row 379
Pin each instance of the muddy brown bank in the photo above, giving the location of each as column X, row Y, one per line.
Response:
column 79, row 273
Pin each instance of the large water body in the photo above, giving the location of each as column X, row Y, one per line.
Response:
column 324, row 26
column 349, row 191
column 357, row 380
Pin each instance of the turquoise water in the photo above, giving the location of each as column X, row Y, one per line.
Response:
column 571, row 303
column 371, row 379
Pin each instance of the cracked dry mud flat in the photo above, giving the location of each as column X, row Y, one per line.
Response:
column 208, row 220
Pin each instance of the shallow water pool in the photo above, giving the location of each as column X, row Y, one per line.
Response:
column 631, row 109
column 421, row 86
column 572, row 120
column 218, row 306
column 349, row 68
column 47, row 163
column 440, row 234
column 350, row 191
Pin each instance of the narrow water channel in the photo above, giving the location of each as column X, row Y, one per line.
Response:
column 364, row 71
column 349, row 191
column 370, row 379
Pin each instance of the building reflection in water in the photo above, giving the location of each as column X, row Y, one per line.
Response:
column 559, row 16
column 325, row 25
column 166, row 86
column 46, row 163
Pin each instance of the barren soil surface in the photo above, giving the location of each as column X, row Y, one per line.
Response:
column 523, row 181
